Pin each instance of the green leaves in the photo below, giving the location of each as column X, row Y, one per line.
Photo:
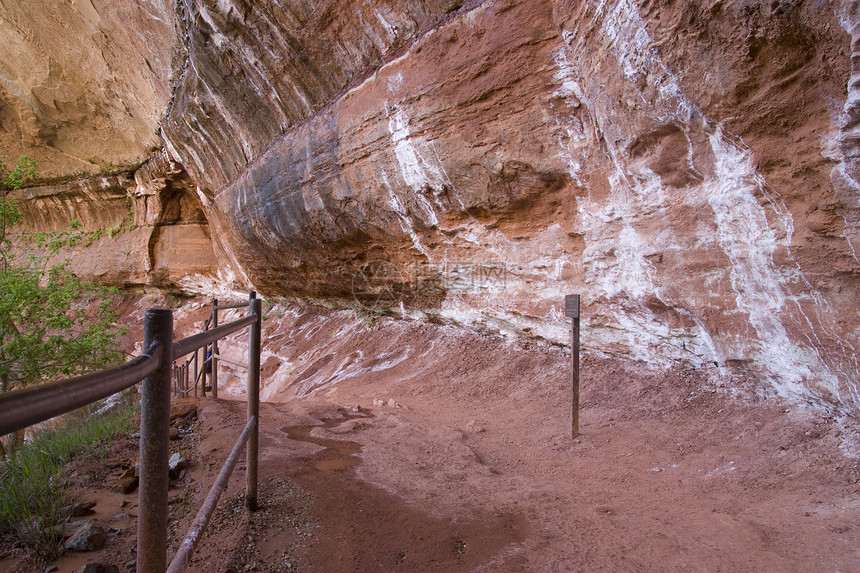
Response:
column 52, row 324
column 23, row 172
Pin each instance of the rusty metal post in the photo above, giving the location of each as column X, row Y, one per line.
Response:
column 571, row 310
column 255, row 309
column 206, row 362
column 214, row 349
column 196, row 371
column 154, row 440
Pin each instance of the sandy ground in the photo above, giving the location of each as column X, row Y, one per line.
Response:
column 472, row 467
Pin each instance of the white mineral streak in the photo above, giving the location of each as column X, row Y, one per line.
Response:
column 309, row 373
column 420, row 175
column 405, row 222
column 750, row 243
column 847, row 11
column 222, row 286
column 571, row 137
column 615, row 259
column 390, row 29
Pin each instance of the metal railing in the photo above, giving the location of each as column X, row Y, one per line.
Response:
column 22, row 408
column 189, row 375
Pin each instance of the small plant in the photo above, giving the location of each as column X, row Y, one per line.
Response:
column 355, row 344
column 50, row 325
column 33, row 488
column 367, row 318
column 23, row 172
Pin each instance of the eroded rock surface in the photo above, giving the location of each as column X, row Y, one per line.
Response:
column 692, row 171
column 84, row 84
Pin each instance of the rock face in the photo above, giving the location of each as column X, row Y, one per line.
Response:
column 133, row 230
column 693, row 172
column 83, row 84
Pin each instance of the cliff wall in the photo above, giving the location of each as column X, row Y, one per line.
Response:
column 691, row 170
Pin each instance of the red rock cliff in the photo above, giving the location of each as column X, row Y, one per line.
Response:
column 693, row 171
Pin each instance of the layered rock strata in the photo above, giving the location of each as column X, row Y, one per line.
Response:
column 132, row 230
column 691, row 170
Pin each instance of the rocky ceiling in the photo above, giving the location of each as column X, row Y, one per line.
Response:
column 690, row 168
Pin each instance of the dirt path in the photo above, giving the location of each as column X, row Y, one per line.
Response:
column 402, row 490
column 473, row 469
column 405, row 446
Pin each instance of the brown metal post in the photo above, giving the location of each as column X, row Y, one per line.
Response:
column 214, row 350
column 255, row 309
column 154, row 440
column 205, row 361
column 196, row 371
column 571, row 309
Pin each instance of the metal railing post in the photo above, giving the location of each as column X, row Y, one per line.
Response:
column 254, row 309
column 154, row 440
column 214, row 350
column 571, row 310
column 206, row 363
column 196, row 373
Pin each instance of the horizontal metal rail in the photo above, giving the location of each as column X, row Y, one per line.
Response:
column 228, row 306
column 192, row 343
column 183, row 555
column 231, row 362
column 22, row 408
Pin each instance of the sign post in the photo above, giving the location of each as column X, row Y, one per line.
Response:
column 571, row 310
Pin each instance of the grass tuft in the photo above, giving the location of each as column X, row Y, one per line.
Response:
column 33, row 487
